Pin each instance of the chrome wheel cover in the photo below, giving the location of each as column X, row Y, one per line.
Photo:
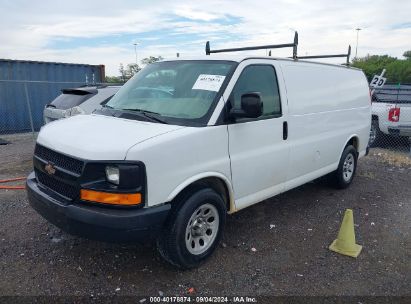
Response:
column 202, row 229
column 348, row 167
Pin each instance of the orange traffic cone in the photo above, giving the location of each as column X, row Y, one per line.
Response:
column 345, row 242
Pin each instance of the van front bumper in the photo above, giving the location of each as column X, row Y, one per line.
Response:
column 98, row 223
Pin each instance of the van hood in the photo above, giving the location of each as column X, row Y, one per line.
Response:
column 96, row 137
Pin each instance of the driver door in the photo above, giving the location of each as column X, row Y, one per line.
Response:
column 258, row 148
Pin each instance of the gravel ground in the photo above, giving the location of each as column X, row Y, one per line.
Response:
column 290, row 234
column 15, row 158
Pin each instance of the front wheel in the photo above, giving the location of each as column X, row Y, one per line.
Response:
column 193, row 229
column 343, row 176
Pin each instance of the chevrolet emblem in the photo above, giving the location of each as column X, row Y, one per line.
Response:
column 50, row 169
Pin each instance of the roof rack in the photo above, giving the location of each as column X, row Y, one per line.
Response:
column 329, row 56
column 273, row 46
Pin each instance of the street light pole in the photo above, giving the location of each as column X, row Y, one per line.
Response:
column 356, row 46
column 135, row 51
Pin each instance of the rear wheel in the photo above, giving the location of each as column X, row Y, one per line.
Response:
column 343, row 176
column 193, row 229
column 375, row 134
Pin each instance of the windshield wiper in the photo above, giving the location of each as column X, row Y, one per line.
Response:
column 153, row 116
column 105, row 107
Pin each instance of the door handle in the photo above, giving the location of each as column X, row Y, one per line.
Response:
column 285, row 130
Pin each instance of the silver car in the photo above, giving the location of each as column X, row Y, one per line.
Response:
column 82, row 100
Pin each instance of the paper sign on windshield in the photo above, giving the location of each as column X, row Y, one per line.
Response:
column 208, row 82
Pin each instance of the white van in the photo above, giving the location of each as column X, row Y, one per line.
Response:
column 185, row 142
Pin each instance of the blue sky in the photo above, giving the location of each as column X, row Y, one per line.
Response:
column 165, row 36
column 103, row 32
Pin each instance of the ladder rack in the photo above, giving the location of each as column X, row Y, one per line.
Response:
column 294, row 45
column 330, row 56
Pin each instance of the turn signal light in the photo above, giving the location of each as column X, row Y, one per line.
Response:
column 110, row 198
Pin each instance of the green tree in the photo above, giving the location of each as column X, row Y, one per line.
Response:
column 407, row 55
column 122, row 73
column 151, row 59
column 372, row 65
column 113, row 79
column 129, row 71
column 397, row 70
column 132, row 69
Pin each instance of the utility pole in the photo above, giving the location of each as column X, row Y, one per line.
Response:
column 135, row 51
column 356, row 46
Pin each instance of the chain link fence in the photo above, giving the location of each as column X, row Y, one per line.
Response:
column 391, row 118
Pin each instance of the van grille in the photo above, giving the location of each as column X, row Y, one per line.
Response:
column 66, row 190
column 58, row 185
column 65, row 162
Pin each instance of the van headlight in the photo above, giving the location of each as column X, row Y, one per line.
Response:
column 113, row 174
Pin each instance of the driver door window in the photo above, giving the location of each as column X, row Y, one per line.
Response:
column 261, row 79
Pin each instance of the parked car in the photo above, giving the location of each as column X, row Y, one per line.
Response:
column 391, row 113
column 186, row 142
column 82, row 100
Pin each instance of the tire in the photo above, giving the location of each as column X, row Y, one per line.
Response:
column 376, row 136
column 344, row 175
column 194, row 228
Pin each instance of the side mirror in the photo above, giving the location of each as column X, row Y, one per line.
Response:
column 251, row 106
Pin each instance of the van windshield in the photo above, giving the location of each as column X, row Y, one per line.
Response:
column 181, row 92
